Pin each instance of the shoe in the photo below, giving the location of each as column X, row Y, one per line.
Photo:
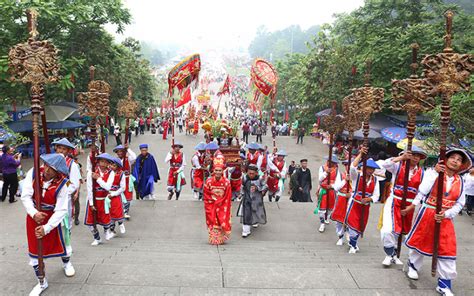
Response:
column 39, row 288
column 244, row 235
column 387, row 261
column 109, row 235
column 255, row 225
column 96, row 242
column 353, row 250
column 326, row 221
column 396, row 260
column 76, row 222
column 69, row 270
column 196, row 195
column 322, row 227
column 122, row 228
column 412, row 273
column 444, row 291
column 126, row 216
column 170, row 195
column 340, row 242
column 12, row 201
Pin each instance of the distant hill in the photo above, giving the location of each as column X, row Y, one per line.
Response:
column 467, row 5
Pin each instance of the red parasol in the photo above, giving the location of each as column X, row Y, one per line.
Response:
column 265, row 78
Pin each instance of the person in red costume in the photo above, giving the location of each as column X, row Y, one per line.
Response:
column 217, row 205
column 420, row 239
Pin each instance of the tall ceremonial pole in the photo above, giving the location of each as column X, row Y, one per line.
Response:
column 94, row 103
column 352, row 124
column 172, row 121
column 333, row 124
column 127, row 108
column 448, row 72
column 27, row 64
column 412, row 96
column 368, row 100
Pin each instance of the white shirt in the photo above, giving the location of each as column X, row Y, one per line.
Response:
column 427, row 184
column 183, row 164
column 121, row 188
column 393, row 167
column 469, row 184
column 195, row 160
column 259, row 160
column 323, row 176
column 273, row 167
column 60, row 208
column 107, row 184
column 131, row 157
column 355, row 173
column 380, row 173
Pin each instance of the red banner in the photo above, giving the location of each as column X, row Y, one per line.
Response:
column 184, row 73
column 225, row 89
column 185, row 98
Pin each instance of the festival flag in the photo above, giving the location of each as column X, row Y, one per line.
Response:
column 185, row 98
column 225, row 89
column 184, row 74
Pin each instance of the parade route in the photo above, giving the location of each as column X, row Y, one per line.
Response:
column 165, row 249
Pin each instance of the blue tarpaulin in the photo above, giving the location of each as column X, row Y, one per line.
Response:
column 67, row 124
column 394, row 134
column 23, row 126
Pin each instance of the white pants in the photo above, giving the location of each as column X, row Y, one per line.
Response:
column 322, row 215
column 340, row 229
column 246, row 229
column 446, row 268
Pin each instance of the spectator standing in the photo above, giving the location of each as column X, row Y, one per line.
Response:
column 258, row 133
column 246, row 131
column 142, row 126
column 148, row 124
column 10, row 164
column 117, row 134
column 469, row 183
column 301, row 132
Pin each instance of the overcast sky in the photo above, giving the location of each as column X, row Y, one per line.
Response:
column 213, row 23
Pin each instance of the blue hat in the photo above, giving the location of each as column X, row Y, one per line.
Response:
column 105, row 156
column 119, row 147
column 64, row 142
column 281, row 153
column 117, row 161
column 253, row 146
column 57, row 162
column 143, row 146
column 417, row 150
column 371, row 164
column 334, row 158
column 200, row 146
column 212, row 146
column 177, row 143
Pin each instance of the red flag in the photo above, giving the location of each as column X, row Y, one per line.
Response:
column 287, row 116
column 186, row 98
column 225, row 88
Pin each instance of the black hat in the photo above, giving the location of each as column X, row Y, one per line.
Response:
column 303, row 160
column 252, row 168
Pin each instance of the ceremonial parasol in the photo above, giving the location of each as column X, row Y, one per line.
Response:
column 184, row 73
column 264, row 78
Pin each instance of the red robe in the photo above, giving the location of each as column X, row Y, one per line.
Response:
column 413, row 185
column 127, row 171
column 53, row 242
column 198, row 174
column 235, row 179
column 217, row 205
column 340, row 207
column 116, row 206
column 421, row 236
column 354, row 213
column 274, row 178
column 328, row 199
column 165, row 129
column 100, row 195
column 176, row 162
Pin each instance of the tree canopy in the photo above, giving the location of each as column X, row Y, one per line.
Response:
column 77, row 29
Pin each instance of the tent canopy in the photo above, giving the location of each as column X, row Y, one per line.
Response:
column 358, row 135
column 23, row 126
column 394, row 134
column 54, row 113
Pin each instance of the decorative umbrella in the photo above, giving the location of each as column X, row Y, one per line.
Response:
column 403, row 143
column 394, row 134
column 264, row 78
column 358, row 135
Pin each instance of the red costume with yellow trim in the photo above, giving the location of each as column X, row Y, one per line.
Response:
column 176, row 162
column 217, row 205
column 342, row 198
column 127, row 169
column 116, row 205
column 329, row 198
column 100, row 194
column 274, row 176
column 354, row 213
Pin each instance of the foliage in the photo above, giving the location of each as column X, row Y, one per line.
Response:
column 381, row 31
column 76, row 29
column 275, row 45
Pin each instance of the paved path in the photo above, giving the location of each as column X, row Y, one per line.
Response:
column 165, row 251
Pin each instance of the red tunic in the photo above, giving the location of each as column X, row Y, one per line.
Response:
column 176, row 162
column 53, row 242
column 100, row 195
column 127, row 170
column 165, row 130
column 217, row 205
column 236, row 179
column 116, row 206
column 413, row 185
column 253, row 158
column 354, row 213
column 328, row 199
column 198, row 174
column 340, row 208
column 421, row 236
column 274, row 176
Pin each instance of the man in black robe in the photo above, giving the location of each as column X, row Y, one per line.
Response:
column 302, row 185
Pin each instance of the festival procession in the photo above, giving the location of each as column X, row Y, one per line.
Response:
column 327, row 160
